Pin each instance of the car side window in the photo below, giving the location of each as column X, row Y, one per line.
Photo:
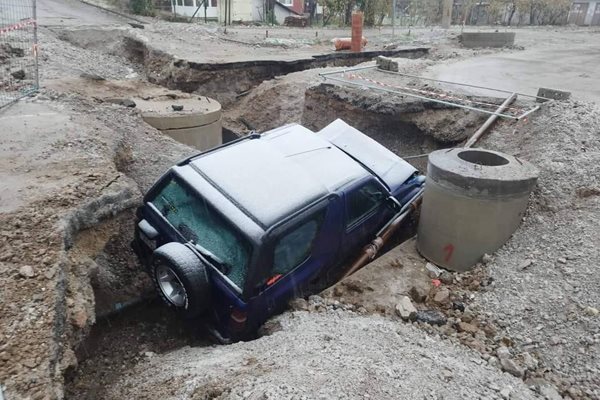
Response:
column 363, row 200
column 295, row 246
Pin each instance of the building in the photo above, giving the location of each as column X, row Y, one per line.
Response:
column 236, row 10
column 585, row 13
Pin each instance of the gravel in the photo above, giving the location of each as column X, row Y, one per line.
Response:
column 322, row 355
column 546, row 276
column 544, row 298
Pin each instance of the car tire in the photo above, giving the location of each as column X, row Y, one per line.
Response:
column 181, row 279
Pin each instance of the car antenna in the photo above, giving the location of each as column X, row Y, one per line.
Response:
column 308, row 151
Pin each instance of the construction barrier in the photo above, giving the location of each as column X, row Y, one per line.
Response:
column 18, row 50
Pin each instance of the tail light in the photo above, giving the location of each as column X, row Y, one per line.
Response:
column 238, row 320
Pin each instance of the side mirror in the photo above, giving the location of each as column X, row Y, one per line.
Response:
column 393, row 204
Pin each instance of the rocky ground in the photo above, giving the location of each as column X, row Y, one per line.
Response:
column 524, row 324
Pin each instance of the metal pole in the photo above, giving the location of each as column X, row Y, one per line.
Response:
column 393, row 18
column 520, row 117
column 462, row 84
column 421, row 97
column 434, row 80
column 198, row 9
column 473, row 139
column 35, row 46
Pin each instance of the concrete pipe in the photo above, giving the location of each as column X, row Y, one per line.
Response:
column 197, row 123
column 473, row 202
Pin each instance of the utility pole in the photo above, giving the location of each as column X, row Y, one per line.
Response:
column 393, row 18
column 447, row 13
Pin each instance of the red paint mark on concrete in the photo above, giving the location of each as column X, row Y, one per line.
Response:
column 449, row 249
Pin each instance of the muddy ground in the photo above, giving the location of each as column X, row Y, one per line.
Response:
column 77, row 315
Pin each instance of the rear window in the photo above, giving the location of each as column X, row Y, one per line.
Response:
column 199, row 223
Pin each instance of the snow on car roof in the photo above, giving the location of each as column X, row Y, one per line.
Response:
column 279, row 173
column 393, row 170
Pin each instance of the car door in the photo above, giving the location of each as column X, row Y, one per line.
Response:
column 181, row 214
column 299, row 251
column 366, row 212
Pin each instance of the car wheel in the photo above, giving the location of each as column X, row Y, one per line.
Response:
column 181, row 279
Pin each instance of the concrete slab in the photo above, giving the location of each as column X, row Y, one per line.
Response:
column 474, row 40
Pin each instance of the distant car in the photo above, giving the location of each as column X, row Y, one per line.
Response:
column 232, row 234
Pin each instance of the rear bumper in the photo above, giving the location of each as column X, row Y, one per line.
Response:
column 141, row 249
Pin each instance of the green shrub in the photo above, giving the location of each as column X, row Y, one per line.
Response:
column 141, row 7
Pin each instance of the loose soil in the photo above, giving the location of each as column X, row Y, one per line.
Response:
column 74, row 167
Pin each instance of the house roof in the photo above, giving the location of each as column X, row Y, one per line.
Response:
column 287, row 8
column 278, row 173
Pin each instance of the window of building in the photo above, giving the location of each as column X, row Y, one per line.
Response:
column 288, row 3
column 364, row 200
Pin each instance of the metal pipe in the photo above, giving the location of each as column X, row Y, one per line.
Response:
column 35, row 46
column 370, row 251
column 323, row 74
column 486, row 125
column 529, row 112
column 463, row 84
column 229, row 11
column 437, row 80
column 421, row 97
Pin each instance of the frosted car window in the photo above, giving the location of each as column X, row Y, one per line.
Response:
column 199, row 223
column 363, row 200
column 294, row 247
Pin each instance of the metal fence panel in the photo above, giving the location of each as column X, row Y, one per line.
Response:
column 18, row 50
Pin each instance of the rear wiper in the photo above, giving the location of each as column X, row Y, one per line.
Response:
column 220, row 264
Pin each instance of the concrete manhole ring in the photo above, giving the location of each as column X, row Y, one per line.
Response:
column 473, row 202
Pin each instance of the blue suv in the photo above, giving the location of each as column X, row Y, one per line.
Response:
column 232, row 234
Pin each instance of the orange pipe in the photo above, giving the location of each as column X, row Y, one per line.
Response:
column 357, row 28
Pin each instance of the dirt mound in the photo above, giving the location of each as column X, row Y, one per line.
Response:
column 333, row 353
column 546, row 276
column 64, row 178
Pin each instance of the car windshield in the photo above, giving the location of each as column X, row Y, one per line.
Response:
column 199, row 223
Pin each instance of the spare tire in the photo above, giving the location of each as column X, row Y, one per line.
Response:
column 181, row 279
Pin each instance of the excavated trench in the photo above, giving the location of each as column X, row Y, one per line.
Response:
column 130, row 323
column 224, row 81
column 406, row 126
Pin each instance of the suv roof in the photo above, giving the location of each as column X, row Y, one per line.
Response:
column 278, row 173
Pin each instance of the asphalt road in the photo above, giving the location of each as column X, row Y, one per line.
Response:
column 570, row 65
column 74, row 12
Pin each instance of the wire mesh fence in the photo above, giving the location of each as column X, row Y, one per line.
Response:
column 18, row 50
